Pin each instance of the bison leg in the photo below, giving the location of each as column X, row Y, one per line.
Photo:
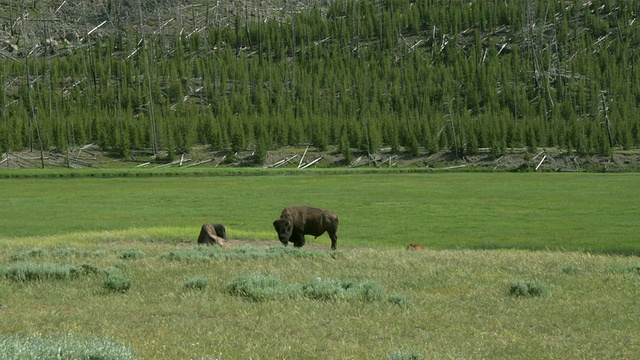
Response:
column 334, row 239
column 297, row 239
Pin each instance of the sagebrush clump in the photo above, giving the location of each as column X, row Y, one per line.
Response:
column 132, row 254
column 115, row 280
column 259, row 287
column 532, row 288
column 26, row 271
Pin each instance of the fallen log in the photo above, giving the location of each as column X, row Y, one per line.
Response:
column 172, row 163
column 302, row 158
column 199, row 163
column 281, row 162
column 221, row 160
column 311, row 163
column 375, row 161
column 541, row 161
column 355, row 162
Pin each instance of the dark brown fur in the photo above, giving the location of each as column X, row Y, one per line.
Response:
column 212, row 234
column 299, row 220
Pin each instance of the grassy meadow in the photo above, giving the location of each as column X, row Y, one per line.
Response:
column 593, row 212
column 115, row 258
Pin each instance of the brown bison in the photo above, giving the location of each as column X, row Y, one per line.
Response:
column 299, row 220
column 415, row 247
column 212, row 234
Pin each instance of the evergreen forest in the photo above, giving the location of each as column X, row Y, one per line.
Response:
column 412, row 75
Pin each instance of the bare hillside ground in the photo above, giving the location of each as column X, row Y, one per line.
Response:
column 91, row 156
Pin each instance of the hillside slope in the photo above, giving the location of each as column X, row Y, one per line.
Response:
column 416, row 77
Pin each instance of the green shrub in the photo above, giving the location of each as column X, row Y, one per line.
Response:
column 196, row 283
column 26, row 271
column 65, row 347
column 259, row 287
column 528, row 288
column 324, row 289
column 400, row 300
column 115, row 280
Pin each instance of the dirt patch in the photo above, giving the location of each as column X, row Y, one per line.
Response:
column 269, row 243
column 234, row 243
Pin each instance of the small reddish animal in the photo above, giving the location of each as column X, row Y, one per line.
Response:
column 212, row 234
column 415, row 247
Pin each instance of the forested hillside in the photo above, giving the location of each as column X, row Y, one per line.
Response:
column 417, row 76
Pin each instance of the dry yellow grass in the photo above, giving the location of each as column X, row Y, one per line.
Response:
column 460, row 305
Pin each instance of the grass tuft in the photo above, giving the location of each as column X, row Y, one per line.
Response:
column 63, row 347
column 400, row 300
column 571, row 269
column 27, row 271
column 196, row 283
column 619, row 268
column 132, row 254
column 63, row 252
column 24, row 254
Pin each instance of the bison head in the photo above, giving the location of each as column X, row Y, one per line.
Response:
column 284, row 228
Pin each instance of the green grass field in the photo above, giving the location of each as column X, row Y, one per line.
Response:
column 114, row 259
column 593, row 212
